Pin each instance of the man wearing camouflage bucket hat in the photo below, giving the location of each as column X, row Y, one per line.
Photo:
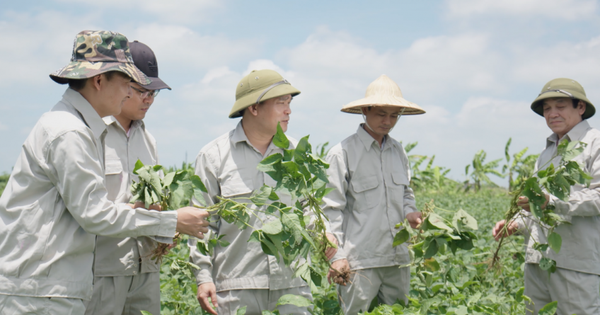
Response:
column 56, row 200
column 126, row 279
column 241, row 274
column 576, row 281
column 370, row 176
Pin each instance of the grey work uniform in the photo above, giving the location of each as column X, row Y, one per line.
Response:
column 371, row 195
column 242, row 273
column 576, row 283
column 126, row 280
column 54, row 203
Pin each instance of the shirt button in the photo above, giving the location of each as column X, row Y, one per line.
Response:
column 135, row 272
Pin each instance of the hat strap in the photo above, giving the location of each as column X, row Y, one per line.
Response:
column 270, row 87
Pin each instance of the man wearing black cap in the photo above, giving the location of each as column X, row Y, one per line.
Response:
column 126, row 280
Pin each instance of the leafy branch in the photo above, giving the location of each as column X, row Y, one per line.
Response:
column 171, row 192
column 556, row 181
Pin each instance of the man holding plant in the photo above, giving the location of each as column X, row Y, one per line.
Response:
column 576, row 282
column 56, row 200
column 370, row 176
column 126, row 280
column 241, row 274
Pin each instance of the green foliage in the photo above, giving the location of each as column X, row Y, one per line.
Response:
column 430, row 177
column 557, row 181
column 173, row 191
column 522, row 166
column 480, row 171
column 291, row 232
column 3, row 181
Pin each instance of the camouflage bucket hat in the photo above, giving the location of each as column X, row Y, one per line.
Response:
column 258, row 86
column 563, row 87
column 97, row 52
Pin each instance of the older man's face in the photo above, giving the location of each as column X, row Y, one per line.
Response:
column 560, row 114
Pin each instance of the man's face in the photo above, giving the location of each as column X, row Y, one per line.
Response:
column 136, row 107
column 114, row 92
column 560, row 114
column 275, row 110
column 381, row 119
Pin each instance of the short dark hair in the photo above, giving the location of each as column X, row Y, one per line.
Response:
column 79, row 84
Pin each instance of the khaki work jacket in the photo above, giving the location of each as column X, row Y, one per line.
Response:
column 371, row 195
column 228, row 166
column 55, row 200
column 121, row 256
column 580, row 249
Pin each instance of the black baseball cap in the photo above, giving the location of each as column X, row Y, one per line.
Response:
column 144, row 59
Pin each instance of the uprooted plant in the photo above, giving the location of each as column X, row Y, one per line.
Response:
column 291, row 232
column 436, row 234
column 556, row 180
column 172, row 191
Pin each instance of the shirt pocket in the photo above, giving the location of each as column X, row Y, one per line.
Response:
column 400, row 182
column 113, row 175
column 365, row 191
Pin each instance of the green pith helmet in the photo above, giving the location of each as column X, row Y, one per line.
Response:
column 563, row 87
column 258, row 86
column 97, row 52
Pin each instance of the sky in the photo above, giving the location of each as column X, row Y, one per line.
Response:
column 475, row 66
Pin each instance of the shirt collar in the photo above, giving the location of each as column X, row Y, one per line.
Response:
column 368, row 141
column 239, row 135
column 575, row 134
column 109, row 120
column 88, row 113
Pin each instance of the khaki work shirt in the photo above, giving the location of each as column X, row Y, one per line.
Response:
column 371, row 195
column 228, row 166
column 121, row 256
column 580, row 249
column 55, row 200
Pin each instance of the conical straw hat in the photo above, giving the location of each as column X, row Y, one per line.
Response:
column 383, row 92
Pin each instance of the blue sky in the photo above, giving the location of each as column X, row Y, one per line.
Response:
column 473, row 65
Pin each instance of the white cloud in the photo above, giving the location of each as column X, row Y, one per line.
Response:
column 179, row 11
column 561, row 9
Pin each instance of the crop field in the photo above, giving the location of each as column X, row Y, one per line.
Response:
column 447, row 283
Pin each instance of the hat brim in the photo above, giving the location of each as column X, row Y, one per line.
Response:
column 537, row 107
column 157, row 84
column 78, row 70
column 251, row 98
column 378, row 100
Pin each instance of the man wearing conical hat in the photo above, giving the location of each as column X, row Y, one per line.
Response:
column 126, row 279
column 370, row 174
column 575, row 284
column 241, row 274
column 55, row 202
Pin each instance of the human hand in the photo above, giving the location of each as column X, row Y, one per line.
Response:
column 415, row 219
column 329, row 250
column 523, row 202
column 498, row 232
column 192, row 221
column 339, row 271
column 205, row 291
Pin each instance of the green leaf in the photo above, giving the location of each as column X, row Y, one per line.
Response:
column 401, row 237
column 146, row 313
column 280, row 140
column 138, row 165
column 547, row 264
column 272, row 227
column 549, row 309
column 462, row 219
column 241, row 310
column 555, row 241
column 437, row 222
column 293, row 299
column 260, row 197
column 302, row 149
column 272, row 166
column 432, row 264
column 431, row 248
